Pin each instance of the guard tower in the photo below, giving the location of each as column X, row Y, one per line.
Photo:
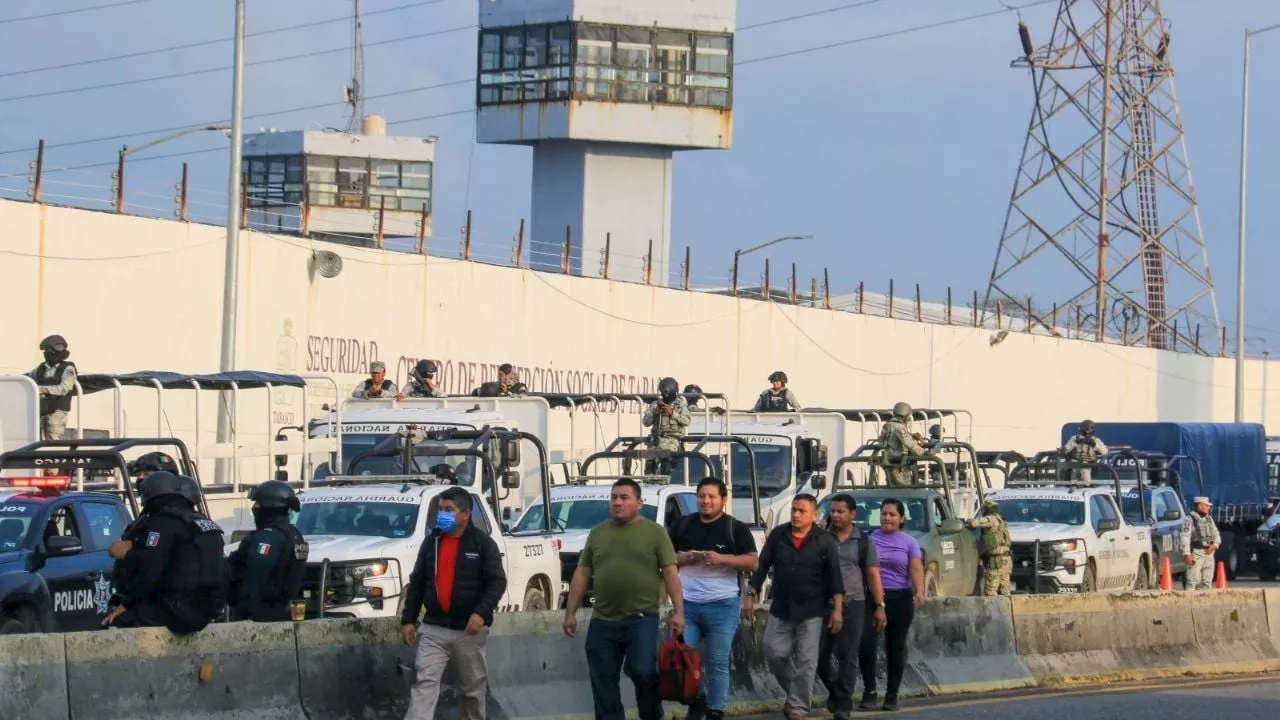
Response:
column 350, row 179
column 605, row 92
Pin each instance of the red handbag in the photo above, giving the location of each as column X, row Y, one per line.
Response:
column 679, row 671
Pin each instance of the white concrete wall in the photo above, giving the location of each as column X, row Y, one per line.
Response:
column 133, row 293
column 676, row 126
column 707, row 15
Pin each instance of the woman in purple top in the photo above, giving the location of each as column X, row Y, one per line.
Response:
column 902, row 572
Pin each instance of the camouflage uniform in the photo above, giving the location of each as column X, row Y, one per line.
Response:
column 415, row 388
column 899, row 442
column 995, row 550
column 669, row 429
column 1199, row 533
column 1080, row 449
column 783, row 401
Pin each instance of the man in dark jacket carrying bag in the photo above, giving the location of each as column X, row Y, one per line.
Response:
column 459, row 580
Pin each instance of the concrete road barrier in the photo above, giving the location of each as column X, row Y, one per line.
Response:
column 354, row 669
column 240, row 670
column 1107, row 638
column 33, row 676
column 960, row 645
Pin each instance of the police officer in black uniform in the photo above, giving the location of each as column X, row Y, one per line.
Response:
column 150, row 463
column 266, row 570
column 176, row 575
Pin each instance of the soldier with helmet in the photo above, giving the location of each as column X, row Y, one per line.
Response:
column 777, row 398
column 177, row 577
column 56, row 378
column 422, row 381
column 152, row 462
column 669, row 417
column 1084, row 447
column 995, row 548
column 266, row 570
column 899, row 442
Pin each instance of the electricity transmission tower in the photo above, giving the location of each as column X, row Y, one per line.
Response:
column 1103, row 230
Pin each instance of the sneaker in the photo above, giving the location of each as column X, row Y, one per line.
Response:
column 890, row 702
column 715, row 715
column 868, row 701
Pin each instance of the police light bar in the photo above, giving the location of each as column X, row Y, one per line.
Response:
column 43, row 482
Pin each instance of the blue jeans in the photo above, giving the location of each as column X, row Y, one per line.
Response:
column 608, row 643
column 717, row 623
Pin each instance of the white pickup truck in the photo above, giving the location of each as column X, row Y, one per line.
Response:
column 1072, row 540
column 365, row 530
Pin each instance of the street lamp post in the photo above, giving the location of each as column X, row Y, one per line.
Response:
column 231, row 271
column 126, row 151
column 737, row 254
column 1244, row 180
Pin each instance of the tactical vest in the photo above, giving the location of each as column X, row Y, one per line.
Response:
column 666, row 426
column 776, row 401
column 1201, row 531
column 368, row 385
column 210, row 577
column 50, row 404
column 996, row 541
column 286, row 573
column 891, row 437
column 1085, row 452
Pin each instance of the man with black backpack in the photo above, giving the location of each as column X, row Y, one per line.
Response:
column 713, row 551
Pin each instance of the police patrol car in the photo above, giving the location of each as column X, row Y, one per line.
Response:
column 575, row 509
column 55, row 573
column 1073, row 539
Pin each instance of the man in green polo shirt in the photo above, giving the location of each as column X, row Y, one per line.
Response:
column 625, row 560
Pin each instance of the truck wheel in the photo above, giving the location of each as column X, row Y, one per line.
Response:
column 12, row 626
column 1267, row 574
column 534, row 599
column 1143, row 580
column 1090, row 583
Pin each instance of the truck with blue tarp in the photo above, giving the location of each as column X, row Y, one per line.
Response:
column 1226, row 462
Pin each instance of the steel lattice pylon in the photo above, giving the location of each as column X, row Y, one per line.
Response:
column 1156, row 288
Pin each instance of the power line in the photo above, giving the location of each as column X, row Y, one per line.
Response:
column 73, row 11
column 318, row 106
column 206, row 71
column 205, row 43
column 792, row 18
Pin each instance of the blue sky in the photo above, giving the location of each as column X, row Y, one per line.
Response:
column 897, row 155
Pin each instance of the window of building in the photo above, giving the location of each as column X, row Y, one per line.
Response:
column 354, row 183
column 605, row 62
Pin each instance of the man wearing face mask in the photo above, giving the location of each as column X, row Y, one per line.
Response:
column 266, row 570
column 56, row 377
column 458, row 579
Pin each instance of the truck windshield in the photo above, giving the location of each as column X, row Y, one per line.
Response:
column 773, row 470
column 1038, row 510
column 15, row 520
column 867, row 516
column 1132, row 509
column 355, row 517
column 574, row 515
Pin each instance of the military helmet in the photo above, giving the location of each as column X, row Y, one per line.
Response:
column 692, row 390
column 275, row 494
column 154, row 462
column 935, row 430
column 1086, row 427
column 425, row 368
column 990, row 504
column 778, row 376
column 668, row 388
column 161, row 483
column 189, row 489
column 902, row 409
column 53, row 343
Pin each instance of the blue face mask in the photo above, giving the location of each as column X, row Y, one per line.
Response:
column 446, row 521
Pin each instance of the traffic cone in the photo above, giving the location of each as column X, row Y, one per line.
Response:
column 1166, row 575
column 1220, row 582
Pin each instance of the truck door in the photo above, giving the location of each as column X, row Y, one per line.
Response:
column 958, row 553
column 71, row 578
column 1109, row 543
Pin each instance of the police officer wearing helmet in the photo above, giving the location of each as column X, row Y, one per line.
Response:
column 266, row 570
column 173, row 554
column 996, row 546
column 777, row 398
column 150, row 463
column 56, row 378
column 422, row 381
column 669, row 417
column 898, row 443
column 1084, row 448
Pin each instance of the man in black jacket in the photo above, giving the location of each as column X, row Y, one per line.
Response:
column 459, row 580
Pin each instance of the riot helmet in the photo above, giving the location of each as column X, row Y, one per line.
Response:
column 190, row 490
column 692, row 390
column 778, row 376
column 153, row 462
column 162, row 483
column 55, row 349
column 424, row 368
column 1086, row 428
column 668, row 388
column 935, row 430
column 275, row 495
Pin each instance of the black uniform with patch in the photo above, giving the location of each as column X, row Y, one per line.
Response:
column 177, row 575
column 266, row 572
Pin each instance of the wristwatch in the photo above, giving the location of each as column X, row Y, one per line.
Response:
column 880, row 604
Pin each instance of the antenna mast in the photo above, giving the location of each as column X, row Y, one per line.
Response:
column 355, row 91
column 1103, row 224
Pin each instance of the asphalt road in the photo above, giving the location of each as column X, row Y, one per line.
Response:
column 1253, row 698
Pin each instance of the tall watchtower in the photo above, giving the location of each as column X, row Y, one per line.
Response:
column 605, row 92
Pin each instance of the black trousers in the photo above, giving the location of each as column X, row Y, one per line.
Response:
column 838, row 657
column 900, row 609
column 179, row 618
